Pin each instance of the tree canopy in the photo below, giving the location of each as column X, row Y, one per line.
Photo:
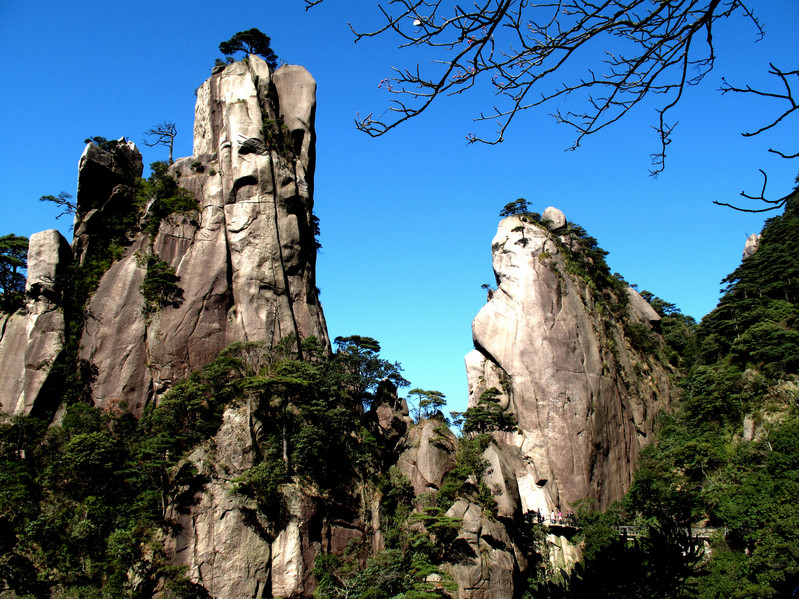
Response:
column 13, row 262
column 251, row 41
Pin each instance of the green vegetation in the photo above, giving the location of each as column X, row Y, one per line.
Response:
column 108, row 145
column 13, row 262
column 164, row 196
column 726, row 456
column 417, row 544
column 62, row 200
column 488, row 415
column 251, row 41
column 160, row 286
column 469, row 464
column 84, row 503
column 426, row 404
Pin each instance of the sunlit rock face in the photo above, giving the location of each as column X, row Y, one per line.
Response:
column 246, row 259
column 585, row 399
column 31, row 339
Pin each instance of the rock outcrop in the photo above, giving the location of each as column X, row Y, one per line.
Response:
column 585, row 398
column 558, row 353
column 488, row 566
column 245, row 260
column 426, row 455
column 31, row 340
column 751, row 245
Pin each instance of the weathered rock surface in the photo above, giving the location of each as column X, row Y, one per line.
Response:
column 488, row 563
column 584, row 398
column 32, row 339
column 555, row 217
column 222, row 548
column 13, row 340
column 752, row 244
column 246, row 260
column 428, row 456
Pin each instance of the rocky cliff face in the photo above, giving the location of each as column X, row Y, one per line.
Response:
column 31, row 340
column 563, row 355
column 585, row 397
column 245, row 259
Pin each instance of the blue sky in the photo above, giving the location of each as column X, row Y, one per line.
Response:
column 407, row 219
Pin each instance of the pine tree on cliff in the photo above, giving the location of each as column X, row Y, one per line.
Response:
column 252, row 41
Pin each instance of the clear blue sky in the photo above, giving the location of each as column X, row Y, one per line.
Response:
column 407, row 219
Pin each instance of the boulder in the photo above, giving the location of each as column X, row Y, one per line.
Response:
column 752, row 244
column 429, row 454
column 555, row 217
column 487, row 562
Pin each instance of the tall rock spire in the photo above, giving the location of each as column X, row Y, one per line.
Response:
column 245, row 259
column 585, row 398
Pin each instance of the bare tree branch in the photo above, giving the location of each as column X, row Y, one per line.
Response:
column 528, row 54
column 772, row 204
column 786, row 95
column 163, row 134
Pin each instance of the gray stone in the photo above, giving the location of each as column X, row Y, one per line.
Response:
column 246, row 260
column 429, row 455
column 220, row 546
column 13, row 339
column 31, row 340
column 752, row 244
column 486, row 568
column 540, row 337
column 555, row 217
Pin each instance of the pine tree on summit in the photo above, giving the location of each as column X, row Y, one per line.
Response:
column 252, row 41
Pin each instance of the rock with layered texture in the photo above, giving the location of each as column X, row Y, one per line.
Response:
column 31, row 340
column 428, row 454
column 488, row 558
column 585, row 399
column 246, row 259
column 222, row 548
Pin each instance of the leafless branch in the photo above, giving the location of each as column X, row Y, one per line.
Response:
column 785, row 94
column 771, row 204
column 788, row 156
column 527, row 52
column 163, row 134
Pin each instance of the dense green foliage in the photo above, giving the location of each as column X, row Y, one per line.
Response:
column 83, row 501
column 160, row 286
column 13, row 262
column 84, row 504
column 251, row 41
column 488, row 415
column 417, row 544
